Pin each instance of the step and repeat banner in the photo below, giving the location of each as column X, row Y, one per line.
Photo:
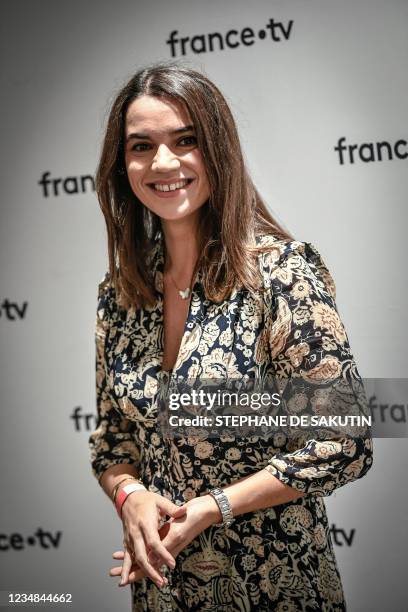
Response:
column 319, row 93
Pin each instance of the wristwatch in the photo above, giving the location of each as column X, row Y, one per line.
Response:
column 224, row 506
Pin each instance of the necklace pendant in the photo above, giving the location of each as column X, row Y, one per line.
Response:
column 184, row 294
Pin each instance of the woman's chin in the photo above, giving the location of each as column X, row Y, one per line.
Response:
column 175, row 212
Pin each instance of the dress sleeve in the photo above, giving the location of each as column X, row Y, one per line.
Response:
column 112, row 442
column 307, row 341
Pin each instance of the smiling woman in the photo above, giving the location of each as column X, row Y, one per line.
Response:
column 139, row 149
column 204, row 284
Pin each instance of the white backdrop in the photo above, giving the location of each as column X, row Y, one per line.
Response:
column 332, row 71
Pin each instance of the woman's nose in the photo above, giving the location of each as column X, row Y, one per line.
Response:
column 164, row 160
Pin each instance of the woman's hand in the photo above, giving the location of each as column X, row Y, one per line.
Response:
column 176, row 534
column 142, row 513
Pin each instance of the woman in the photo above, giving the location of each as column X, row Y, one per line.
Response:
column 203, row 282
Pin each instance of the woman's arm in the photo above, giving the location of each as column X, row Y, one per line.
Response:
column 115, row 454
column 112, row 443
column 256, row 492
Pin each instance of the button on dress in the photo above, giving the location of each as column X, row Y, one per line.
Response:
column 280, row 558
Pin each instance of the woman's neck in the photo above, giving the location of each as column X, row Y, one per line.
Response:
column 181, row 247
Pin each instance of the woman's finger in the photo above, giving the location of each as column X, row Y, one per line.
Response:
column 134, row 575
column 118, row 554
column 171, row 509
column 163, row 531
column 126, row 567
column 117, row 571
column 140, row 557
column 154, row 546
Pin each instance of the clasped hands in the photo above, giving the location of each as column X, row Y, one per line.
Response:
column 149, row 544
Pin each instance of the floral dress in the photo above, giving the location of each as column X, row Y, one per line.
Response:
column 280, row 558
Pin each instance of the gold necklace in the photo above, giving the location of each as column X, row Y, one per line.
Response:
column 183, row 293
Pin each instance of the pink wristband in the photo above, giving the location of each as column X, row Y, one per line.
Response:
column 124, row 493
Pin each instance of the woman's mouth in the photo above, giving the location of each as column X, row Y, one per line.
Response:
column 170, row 189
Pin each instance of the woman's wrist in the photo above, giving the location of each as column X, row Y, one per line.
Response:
column 212, row 514
column 124, row 493
column 121, row 483
column 113, row 474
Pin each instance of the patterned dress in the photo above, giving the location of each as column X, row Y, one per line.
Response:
column 280, row 558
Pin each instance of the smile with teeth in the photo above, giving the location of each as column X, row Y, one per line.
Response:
column 171, row 186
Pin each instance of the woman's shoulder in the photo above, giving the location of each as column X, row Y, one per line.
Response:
column 106, row 289
column 104, row 284
column 285, row 260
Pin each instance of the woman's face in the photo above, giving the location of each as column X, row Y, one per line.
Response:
column 164, row 165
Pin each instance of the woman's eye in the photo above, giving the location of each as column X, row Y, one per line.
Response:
column 188, row 140
column 140, row 147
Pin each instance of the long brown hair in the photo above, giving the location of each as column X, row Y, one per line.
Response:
column 231, row 219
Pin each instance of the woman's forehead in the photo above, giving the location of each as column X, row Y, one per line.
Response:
column 158, row 114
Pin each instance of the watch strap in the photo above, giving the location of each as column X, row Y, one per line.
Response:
column 224, row 506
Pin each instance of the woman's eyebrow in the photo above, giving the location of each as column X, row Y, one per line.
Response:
column 142, row 136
